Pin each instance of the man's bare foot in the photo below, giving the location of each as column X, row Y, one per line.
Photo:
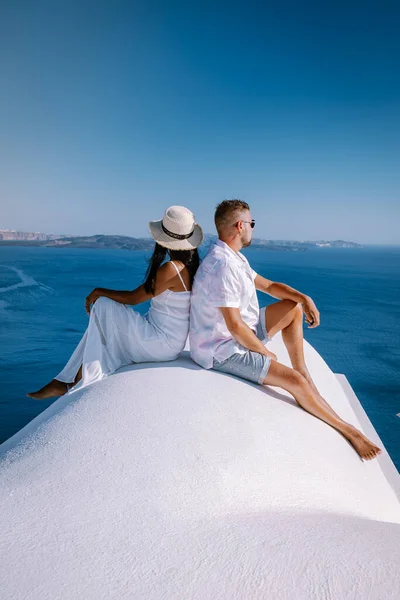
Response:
column 365, row 448
column 54, row 388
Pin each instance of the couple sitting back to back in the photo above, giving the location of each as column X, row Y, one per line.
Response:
column 215, row 302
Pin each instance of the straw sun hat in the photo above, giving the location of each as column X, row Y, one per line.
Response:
column 177, row 229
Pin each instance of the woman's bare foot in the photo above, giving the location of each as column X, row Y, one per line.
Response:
column 365, row 448
column 54, row 388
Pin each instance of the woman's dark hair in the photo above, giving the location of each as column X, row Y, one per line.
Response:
column 190, row 259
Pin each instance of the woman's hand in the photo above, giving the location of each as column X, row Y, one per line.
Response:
column 311, row 312
column 91, row 299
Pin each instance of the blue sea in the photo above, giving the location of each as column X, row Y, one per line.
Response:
column 357, row 291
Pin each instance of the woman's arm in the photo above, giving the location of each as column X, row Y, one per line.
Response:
column 163, row 281
column 123, row 297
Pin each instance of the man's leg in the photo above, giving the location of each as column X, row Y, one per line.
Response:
column 287, row 316
column 292, row 381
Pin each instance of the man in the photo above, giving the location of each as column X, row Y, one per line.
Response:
column 229, row 333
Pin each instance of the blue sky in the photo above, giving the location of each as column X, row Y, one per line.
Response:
column 112, row 111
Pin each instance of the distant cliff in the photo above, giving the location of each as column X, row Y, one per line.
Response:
column 112, row 242
column 11, row 235
column 291, row 245
column 303, row 245
column 123, row 242
column 115, row 242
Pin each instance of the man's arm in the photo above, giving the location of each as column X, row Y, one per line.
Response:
column 242, row 332
column 285, row 292
column 278, row 290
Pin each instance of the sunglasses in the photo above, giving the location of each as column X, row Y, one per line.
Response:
column 252, row 223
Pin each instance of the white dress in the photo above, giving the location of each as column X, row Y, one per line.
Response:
column 117, row 336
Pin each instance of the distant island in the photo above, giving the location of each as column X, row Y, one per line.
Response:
column 123, row 242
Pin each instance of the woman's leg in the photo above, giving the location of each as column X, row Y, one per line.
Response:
column 78, row 375
column 51, row 389
column 68, row 377
column 101, row 350
column 112, row 340
column 290, row 380
column 55, row 388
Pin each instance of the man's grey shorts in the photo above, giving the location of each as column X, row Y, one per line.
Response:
column 250, row 365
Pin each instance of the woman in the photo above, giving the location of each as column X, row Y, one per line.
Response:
column 117, row 335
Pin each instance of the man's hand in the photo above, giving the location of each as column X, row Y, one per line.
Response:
column 271, row 355
column 311, row 312
column 91, row 299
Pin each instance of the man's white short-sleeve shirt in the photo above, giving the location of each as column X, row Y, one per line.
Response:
column 224, row 279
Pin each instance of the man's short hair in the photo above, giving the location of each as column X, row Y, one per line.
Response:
column 226, row 210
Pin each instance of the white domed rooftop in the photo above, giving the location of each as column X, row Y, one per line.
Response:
column 169, row 481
